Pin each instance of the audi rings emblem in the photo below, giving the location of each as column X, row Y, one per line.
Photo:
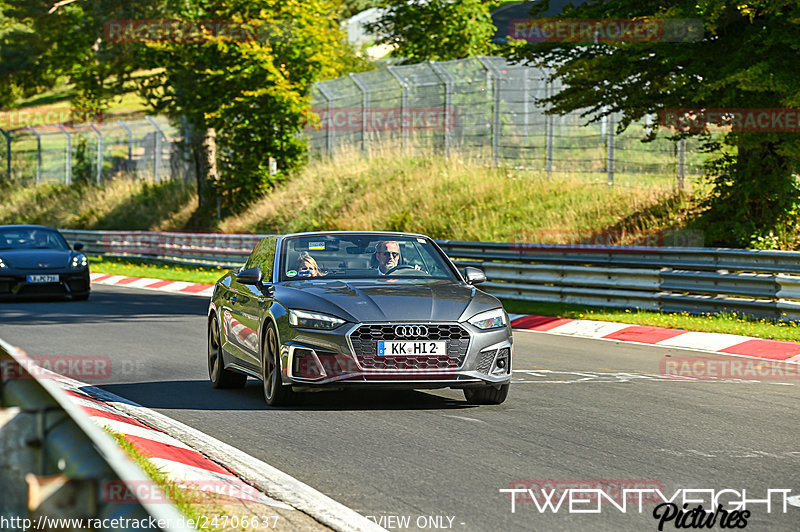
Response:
column 411, row 331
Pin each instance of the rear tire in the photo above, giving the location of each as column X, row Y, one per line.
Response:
column 487, row 395
column 275, row 392
column 219, row 376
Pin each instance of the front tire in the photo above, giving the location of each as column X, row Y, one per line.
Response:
column 219, row 376
column 487, row 395
column 275, row 393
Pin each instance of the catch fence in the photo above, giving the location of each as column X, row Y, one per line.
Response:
column 147, row 147
column 487, row 108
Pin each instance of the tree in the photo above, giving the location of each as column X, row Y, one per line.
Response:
column 747, row 58
column 247, row 101
column 438, row 30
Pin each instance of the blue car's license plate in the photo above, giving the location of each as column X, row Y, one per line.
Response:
column 411, row 348
column 39, row 278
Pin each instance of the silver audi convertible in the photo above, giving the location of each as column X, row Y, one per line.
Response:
column 336, row 310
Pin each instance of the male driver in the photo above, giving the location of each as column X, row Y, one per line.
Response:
column 388, row 254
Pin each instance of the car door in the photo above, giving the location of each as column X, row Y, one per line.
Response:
column 246, row 304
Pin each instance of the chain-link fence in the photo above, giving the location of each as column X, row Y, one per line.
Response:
column 486, row 108
column 148, row 147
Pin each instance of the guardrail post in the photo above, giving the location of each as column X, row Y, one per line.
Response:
column 681, row 166
column 38, row 154
column 329, row 134
column 68, row 158
column 8, row 152
column 403, row 106
column 99, row 152
column 610, row 148
column 157, row 155
column 364, row 110
column 448, row 103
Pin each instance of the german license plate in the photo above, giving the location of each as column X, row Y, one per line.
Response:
column 43, row 278
column 411, row 348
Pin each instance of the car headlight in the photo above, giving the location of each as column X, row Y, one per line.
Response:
column 491, row 319
column 3, row 264
column 79, row 261
column 313, row 320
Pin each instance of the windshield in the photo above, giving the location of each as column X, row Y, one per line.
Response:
column 362, row 256
column 31, row 238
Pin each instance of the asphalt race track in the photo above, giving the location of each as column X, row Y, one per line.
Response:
column 579, row 410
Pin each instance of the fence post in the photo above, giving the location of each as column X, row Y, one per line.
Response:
column 681, row 166
column 610, row 148
column 130, row 142
column 8, row 153
column 364, row 104
column 329, row 126
column 157, row 154
column 548, row 132
column 403, row 106
column 38, row 154
column 99, row 152
column 495, row 77
column 68, row 158
column 448, row 103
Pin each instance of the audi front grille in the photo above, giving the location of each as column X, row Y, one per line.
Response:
column 364, row 341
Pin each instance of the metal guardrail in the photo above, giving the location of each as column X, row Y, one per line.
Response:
column 55, row 463
column 673, row 279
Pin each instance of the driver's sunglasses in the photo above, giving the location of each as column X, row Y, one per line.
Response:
column 390, row 253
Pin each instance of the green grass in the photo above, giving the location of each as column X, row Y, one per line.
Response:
column 728, row 323
column 155, row 270
column 721, row 323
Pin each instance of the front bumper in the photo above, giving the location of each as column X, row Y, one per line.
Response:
column 70, row 284
column 320, row 359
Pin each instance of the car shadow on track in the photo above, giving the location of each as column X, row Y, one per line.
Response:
column 106, row 304
column 199, row 395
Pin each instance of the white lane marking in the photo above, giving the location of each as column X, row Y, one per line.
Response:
column 705, row 341
column 794, row 500
column 140, row 432
column 589, row 328
column 721, row 453
column 546, row 376
column 465, row 418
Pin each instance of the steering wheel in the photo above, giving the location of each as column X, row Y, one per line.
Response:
column 399, row 267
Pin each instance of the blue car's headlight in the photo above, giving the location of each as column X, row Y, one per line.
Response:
column 3, row 264
column 79, row 261
column 491, row 319
column 313, row 320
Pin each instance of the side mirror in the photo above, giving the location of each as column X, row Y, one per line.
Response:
column 474, row 275
column 77, row 246
column 249, row 276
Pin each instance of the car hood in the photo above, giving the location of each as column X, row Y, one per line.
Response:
column 36, row 259
column 388, row 300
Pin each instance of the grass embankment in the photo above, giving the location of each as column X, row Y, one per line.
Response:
column 461, row 200
column 722, row 323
